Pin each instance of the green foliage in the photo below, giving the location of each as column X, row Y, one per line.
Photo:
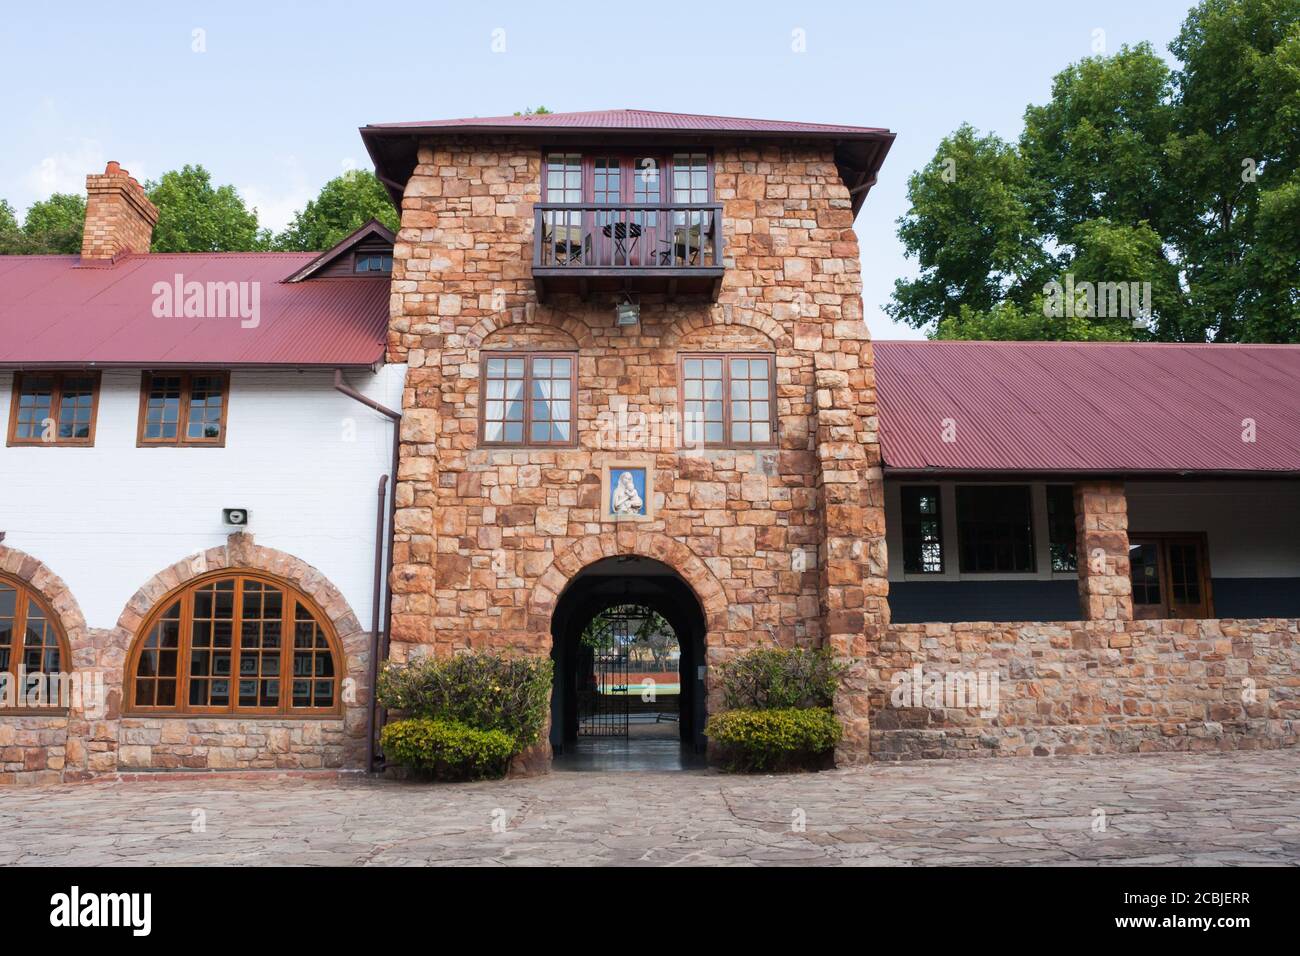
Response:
column 344, row 205
column 11, row 239
column 480, row 690
column 54, row 225
column 447, row 750
column 529, row 111
column 785, row 739
column 1008, row 322
column 774, row 678
column 1131, row 172
column 195, row 216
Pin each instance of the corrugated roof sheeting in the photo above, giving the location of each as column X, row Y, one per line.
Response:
column 637, row 119
column 1088, row 407
column 54, row 310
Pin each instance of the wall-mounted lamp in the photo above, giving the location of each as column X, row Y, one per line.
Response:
column 627, row 312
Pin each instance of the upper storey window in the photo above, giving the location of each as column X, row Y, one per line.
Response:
column 528, row 398
column 373, row 262
column 183, row 408
column 53, row 408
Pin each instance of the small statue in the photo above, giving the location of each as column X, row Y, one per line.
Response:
column 626, row 499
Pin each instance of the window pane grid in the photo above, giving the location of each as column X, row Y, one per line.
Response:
column 727, row 400
column 922, row 530
column 55, row 408
column 1060, row 527
column 232, row 632
column 183, row 408
column 528, row 399
column 30, row 643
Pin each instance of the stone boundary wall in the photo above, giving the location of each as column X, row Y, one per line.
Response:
column 1087, row 687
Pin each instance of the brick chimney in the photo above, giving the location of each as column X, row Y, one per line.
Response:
column 119, row 216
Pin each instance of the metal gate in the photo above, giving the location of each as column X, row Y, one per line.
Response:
column 603, row 703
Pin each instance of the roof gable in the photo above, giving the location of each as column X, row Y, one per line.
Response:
column 371, row 231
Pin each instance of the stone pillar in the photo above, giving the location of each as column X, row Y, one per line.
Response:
column 1101, row 520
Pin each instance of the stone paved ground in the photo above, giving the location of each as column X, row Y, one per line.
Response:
column 1233, row 809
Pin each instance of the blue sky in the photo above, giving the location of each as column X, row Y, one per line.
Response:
column 274, row 102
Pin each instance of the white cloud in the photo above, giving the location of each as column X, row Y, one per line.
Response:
column 65, row 171
column 277, row 203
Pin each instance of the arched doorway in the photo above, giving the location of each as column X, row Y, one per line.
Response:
column 628, row 646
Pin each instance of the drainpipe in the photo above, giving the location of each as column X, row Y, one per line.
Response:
column 380, row 577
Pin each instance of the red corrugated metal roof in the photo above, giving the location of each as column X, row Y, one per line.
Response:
column 56, row 311
column 637, row 120
column 1088, row 407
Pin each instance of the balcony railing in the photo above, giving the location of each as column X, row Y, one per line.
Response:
column 602, row 239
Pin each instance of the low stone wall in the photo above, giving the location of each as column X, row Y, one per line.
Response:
column 150, row 743
column 33, row 749
column 1082, row 687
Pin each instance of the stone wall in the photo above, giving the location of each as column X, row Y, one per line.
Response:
column 790, row 539
column 91, row 741
column 1086, row 687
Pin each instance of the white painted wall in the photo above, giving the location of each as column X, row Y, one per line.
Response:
column 1253, row 527
column 304, row 459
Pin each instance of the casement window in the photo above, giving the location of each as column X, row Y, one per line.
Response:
column 53, row 408
column 1061, row 531
column 995, row 528
column 235, row 643
column 372, row 263
column 922, row 530
column 183, row 408
column 529, row 399
column 728, row 399
column 31, row 643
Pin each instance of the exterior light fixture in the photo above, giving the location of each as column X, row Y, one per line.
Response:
column 237, row 517
column 628, row 312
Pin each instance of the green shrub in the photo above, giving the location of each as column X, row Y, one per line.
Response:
column 447, row 750
column 773, row 679
column 791, row 738
column 482, row 691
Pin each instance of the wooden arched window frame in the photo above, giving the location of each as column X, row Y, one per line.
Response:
column 31, row 642
column 237, row 643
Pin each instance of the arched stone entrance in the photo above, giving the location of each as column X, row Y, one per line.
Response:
column 628, row 581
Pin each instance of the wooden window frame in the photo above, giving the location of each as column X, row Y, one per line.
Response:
column 588, row 154
column 1162, row 540
column 910, row 521
column 182, row 708
column 358, row 256
column 726, row 358
column 25, row 595
column 182, row 423
column 56, row 400
column 1032, row 565
column 528, row 356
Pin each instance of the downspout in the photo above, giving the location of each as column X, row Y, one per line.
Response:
column 382, row 580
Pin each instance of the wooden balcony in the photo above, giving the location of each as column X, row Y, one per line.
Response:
column 669, row 248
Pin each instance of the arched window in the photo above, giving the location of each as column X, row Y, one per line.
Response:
column 235, row 643
column 31, row 643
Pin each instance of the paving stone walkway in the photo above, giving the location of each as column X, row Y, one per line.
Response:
column 1232, row 809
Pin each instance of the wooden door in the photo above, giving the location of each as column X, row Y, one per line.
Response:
column 1170, row 575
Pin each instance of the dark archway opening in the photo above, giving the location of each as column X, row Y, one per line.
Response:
column 606, row 710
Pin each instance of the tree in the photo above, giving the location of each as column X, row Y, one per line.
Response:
column 11, row 240
column 54, row 225
column 1182, row 181
column 529, row 111
column 971, row 225
column 344, row 204
column 193, row 216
